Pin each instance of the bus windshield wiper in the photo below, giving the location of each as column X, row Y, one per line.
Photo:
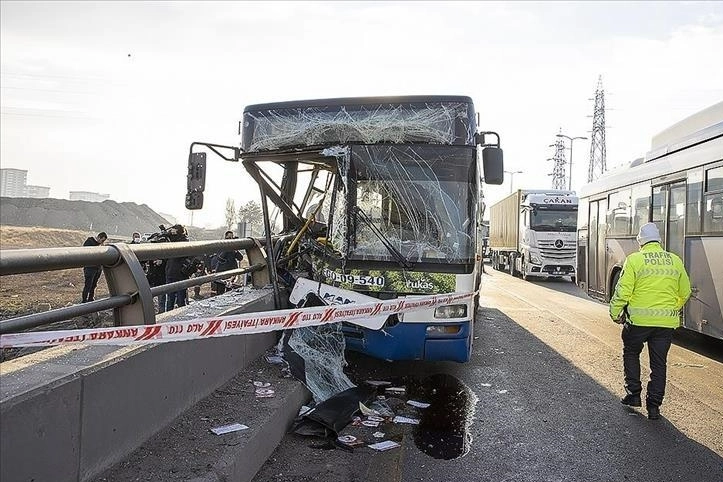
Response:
column 403, row 262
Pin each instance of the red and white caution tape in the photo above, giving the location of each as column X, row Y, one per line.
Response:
column 241, row 324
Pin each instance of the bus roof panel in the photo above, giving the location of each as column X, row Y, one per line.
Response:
column 364, row 120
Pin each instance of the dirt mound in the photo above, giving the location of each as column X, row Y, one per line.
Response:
column 12, row 237
column 112, row 217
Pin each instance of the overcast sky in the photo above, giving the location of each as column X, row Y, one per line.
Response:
column 107, row 97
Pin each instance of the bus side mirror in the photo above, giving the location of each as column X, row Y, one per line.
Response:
column 194, row 200
column 493, row 165
column 196, row 180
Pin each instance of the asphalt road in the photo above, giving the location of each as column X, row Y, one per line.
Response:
column 539, row 401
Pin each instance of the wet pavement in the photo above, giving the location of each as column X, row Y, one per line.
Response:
column 539, row 401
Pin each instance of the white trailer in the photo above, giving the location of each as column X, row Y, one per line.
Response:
column 534, row 233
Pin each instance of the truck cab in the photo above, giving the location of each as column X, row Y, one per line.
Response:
column 533, row 233
column 548, row 225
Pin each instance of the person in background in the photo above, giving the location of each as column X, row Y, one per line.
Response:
column 648, row 297
column 92, row 273
column 179, row 269
column 227, row 260
column 135, row 238
column 156, row 275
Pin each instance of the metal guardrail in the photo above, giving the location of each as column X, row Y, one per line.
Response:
column 131, row 297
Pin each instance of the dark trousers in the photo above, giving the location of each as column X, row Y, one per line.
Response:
column 91, row 275
column 161, row 303
column 658, row 340
column 176, row 297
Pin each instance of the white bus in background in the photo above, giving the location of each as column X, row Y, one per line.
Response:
column 678, row 185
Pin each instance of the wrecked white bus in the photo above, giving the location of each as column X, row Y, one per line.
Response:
column 380, row 199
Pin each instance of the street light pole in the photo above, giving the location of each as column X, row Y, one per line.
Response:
column 512, row 177
column 571, row 139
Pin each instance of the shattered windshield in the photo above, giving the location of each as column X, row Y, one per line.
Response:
column 554, row 220
column 419, row 197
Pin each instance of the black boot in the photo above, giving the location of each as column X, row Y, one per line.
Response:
column 632, row 400
column 653, row 412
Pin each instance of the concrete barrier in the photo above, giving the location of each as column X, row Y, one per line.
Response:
column 67, row 413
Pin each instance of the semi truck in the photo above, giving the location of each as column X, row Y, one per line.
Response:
column 533, row 234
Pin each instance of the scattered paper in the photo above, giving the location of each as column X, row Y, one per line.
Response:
column 366, row 411
column 234, row 427
column 378, row 434
column 262, row 384
column 350, row 440
column 396, row 391
column 378, row 383
column 386, row 445
column 375, row 418
column 501, row 391
column 400, row 419
column 417, row 404
column 265, row 393
column 274, row 359
column 370, row 423
column 486, row 384
column 304, row 410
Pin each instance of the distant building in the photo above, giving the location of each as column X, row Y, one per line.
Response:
column 93, row 197
column 12, row 182
column 39, row 192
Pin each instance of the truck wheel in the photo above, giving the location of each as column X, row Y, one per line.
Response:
column 525, row 276
column 511, row 265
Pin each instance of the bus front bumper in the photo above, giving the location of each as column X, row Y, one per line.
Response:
column 413, row 341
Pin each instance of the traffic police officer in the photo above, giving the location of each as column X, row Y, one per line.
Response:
column 652, row 289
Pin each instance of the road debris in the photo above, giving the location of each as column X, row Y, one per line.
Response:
column 378, row 435
column 386, row 445
column 366, row 411
column 350, row 441
column 401, row 419
column 396, row 391
column 274, row 360
column 370, row 423
column 378, row 383
column 417, row 404
column 265, row 393
column 234, row 427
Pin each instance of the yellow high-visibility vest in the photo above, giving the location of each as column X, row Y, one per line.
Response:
column 654, row 286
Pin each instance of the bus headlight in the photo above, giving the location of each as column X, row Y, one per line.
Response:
column 443, row 329
column 451, row 311
column 535, row 259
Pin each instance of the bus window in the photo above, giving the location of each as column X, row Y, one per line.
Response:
column 619, row 213
column 695, row 191
column 713, row 219
column 658, row 208
column 641, row 206
column 582, row 214
column 676, row 219
column 714, row 179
